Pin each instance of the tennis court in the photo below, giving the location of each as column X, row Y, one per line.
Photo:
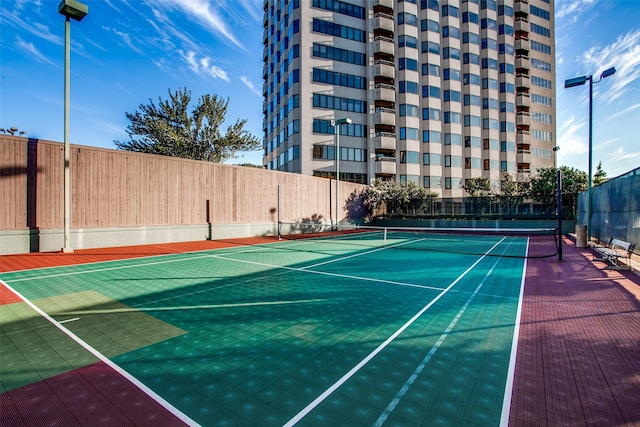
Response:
column 358, row 329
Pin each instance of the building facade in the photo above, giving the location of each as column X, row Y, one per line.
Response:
column 437, row 91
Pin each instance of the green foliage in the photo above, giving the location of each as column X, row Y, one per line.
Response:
column 394, row 196
column 543, row 185
column 600, row 176
column 512, row 193
column 170, row 129
column 477, row 187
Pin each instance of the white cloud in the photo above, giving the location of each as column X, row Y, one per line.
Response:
column 204, row 13
column 126, row 39
column 570, row 137
column 620, row 155
column 625, row 111
column 32, row 50
column 250, row 85
column 39, row 30
column 203, row 66
column 573, row 8
column 624, row 55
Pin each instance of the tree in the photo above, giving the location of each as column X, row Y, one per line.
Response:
column 477, row 187
column 170, row 129
column 544, row 183
column 600, row 176
column 512, row 193
column 395, row 196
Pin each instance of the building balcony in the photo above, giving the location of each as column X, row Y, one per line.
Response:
column 523, row 81
column 521, row 25
column 384, row 141
column 387, row 4
column 522, row 44
column 384, row 92
column 524, row 167
column 521, row 7
column 384, row 166
column 385, row 69
column 523, row 137
column 522, row 63
column 523, row 100
column 385, row 116
column 383, row 45
column 523, row 118
column 383, row 21
column 523, row 156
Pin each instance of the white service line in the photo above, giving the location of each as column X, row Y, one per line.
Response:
column 133, row 380
column 325, row 273
column 392, row 405
column 381, row 347
column 506, row 403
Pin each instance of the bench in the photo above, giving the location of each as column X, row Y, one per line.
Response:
column 615, row 250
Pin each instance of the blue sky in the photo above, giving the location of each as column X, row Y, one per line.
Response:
column 125, row 52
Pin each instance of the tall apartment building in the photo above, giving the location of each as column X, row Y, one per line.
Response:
column 437, row 91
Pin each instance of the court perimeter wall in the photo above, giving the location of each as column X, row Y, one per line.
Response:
column 121, row 198
column 616, row 209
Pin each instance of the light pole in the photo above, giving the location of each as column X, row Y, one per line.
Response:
column 76, row 10
column 336, row 124
column 579, row 81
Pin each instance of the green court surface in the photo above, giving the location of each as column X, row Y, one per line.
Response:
column 307, row 332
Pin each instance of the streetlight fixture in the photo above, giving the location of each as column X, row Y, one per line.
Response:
column 336, row 124
column 579, row 81
column 71, row 9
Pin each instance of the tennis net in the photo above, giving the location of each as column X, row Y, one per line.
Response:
column 504, row 242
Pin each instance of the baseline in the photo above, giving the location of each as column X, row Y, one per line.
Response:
column 153, row 395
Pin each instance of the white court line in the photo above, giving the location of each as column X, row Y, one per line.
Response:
column 325, row 273
column 506, row 403
column 392, row 405
column 69, row 320
column 98, row 270
column 133, row 380
column 381, row 347
column 204, row 254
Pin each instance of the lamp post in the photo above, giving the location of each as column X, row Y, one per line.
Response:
column 71, row 9
column 336, row 124
column 579, row 81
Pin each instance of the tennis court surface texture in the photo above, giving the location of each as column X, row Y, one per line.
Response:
column 317, row 333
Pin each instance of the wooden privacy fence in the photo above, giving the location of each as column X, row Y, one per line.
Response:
column 118, row 189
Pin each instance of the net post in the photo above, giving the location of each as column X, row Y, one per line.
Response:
column 559, row 191
column 385, row 237
column 279, row 231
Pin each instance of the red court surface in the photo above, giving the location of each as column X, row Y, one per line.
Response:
column 578, row 359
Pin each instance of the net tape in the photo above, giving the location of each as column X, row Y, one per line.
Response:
column 542, row 242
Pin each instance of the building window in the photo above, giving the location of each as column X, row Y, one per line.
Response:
column 408, row 134
column 339, row 79
column 409, row 110
column 448, row 10
column 336, row 54
column 408, row 87
column 407, row 18
column 337, row 103
column 407, row 64
column 338, row 7
column 327, row 27
column 408, row 41
column 409, row 157
column 430, row 25
column 432, row 159
column 431, row 136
